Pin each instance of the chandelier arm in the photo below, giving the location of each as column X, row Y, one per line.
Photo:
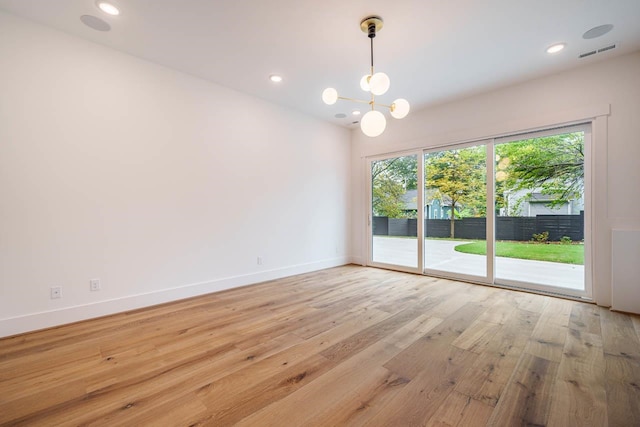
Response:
column 362, row 101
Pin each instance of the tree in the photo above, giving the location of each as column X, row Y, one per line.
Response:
column 460, row 175
column 553, row 164
column 401, row 169
column 391, row 178
column 387, row 198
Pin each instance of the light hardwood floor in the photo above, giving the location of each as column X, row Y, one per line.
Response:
column 344, row 346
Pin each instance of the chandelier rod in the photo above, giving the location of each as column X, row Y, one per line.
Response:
column 371, row 33
column 371, row 55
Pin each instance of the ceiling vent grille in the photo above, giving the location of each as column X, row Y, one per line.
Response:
column 584, row 55
column 596, row 51
column 604, row 49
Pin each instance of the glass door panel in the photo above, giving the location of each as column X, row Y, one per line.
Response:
column 455, row 210
column 394, row 211
column 540, row 206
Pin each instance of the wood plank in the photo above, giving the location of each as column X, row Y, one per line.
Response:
column 432, row 377
column 527, row 398
column 151, row 395
column 530, row 302
column 460, row 410
column 426, row 392
column 585, row 318
column 346, row 348
column 477, row 336
column 548, row 337
column 412, row 361
column 228, row 409
column 317, row 402
column 449, row 305
column 490, row 373
column 311, row 329
column 580, row 396
column 622, row 368
column 180, row 411
column 502, row 308
column 20, row 410
column 635, row 319
column 230, row 385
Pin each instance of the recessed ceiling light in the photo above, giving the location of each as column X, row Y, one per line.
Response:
column 356, row 112
column 108, row 8
column 555, row 48
column 275, row 78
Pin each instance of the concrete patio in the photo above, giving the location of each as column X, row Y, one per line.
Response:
column 440, row 255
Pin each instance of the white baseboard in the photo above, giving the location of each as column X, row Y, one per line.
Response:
column 357, row 260
column 48, row 319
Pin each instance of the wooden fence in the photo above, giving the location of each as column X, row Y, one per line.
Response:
column 507, row 228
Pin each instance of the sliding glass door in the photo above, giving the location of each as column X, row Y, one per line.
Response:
column 393, row 215
column 455, row 207
column 540, row 210
column 512, row 211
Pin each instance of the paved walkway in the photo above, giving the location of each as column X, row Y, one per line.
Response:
column 440, row 255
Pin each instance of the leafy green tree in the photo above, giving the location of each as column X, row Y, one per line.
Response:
column 391, row 179
column 553, row 164
column 460, row 175
column 402, row 169
column 387, row 198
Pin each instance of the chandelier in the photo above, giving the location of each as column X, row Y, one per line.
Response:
column 373, row 122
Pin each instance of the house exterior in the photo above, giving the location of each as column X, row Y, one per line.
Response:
column 437, row 205
column 531, row 203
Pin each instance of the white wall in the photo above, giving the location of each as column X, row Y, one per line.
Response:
column 586, row 91
column 162, row 185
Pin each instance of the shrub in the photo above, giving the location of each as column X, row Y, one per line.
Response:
column 541, row 237
column 565, row 240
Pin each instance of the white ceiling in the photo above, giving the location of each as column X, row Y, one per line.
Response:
column 433, row 50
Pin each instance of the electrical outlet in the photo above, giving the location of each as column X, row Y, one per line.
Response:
column 94, row 285
column 56, row 292
column 259, row 260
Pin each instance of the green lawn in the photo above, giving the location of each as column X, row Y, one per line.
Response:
column 568, row 254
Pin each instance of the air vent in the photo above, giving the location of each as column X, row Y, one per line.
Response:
column 584, row 55
column 602, row 49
